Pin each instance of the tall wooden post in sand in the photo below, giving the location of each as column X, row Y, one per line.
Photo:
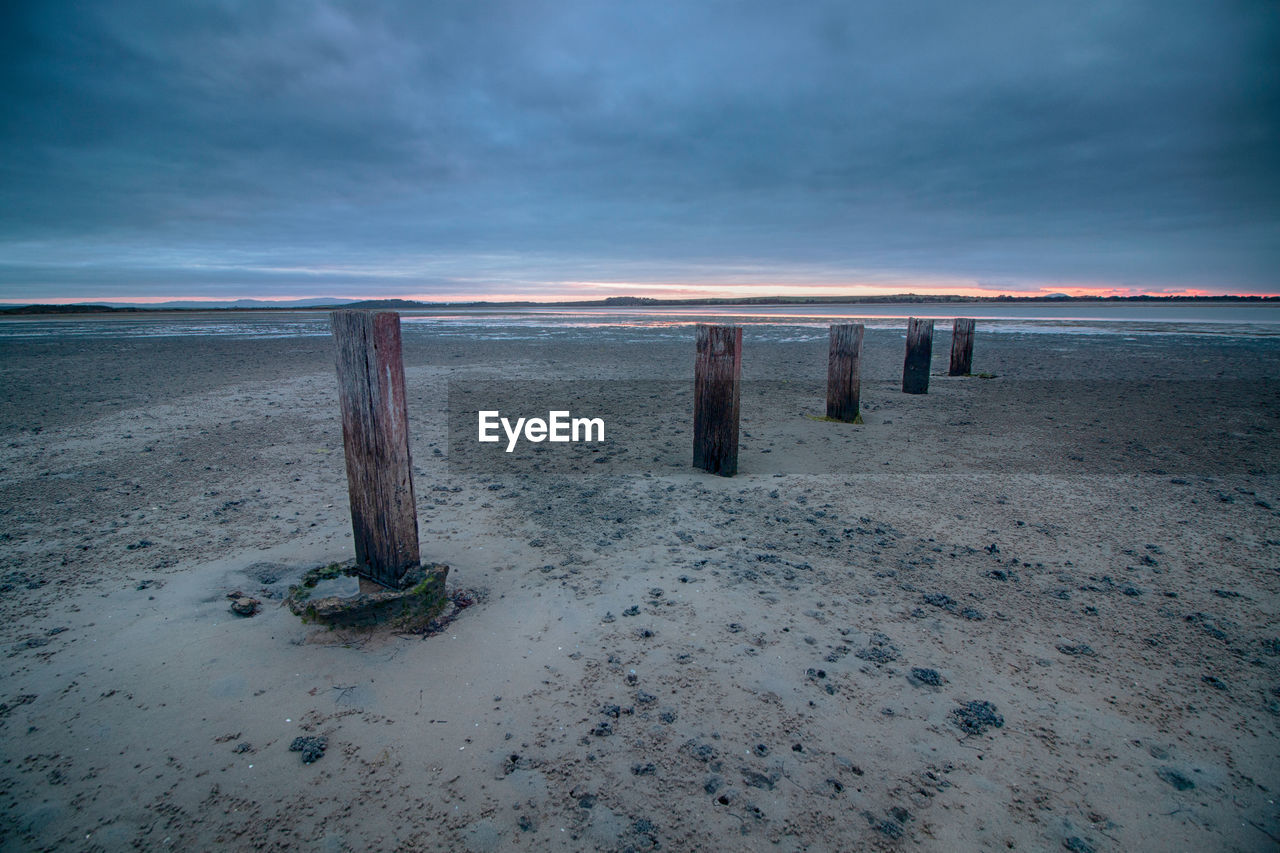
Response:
column 844, row 372
column 717, row 377
column 375, row 433
column 961, row 348
column 915, row 369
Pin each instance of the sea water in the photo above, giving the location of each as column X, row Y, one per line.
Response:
column 775, row 323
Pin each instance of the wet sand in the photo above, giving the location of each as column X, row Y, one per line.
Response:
column 796, row 658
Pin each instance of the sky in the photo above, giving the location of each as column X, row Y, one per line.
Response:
column 542, row 149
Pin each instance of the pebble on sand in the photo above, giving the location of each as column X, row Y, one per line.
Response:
column 243, row 605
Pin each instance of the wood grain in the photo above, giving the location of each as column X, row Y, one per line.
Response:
column 844, row 372
column 375, row 433
column 915, row 368
column 961, row 348
column 717, row 390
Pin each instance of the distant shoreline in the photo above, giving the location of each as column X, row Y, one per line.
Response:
column 624, row 302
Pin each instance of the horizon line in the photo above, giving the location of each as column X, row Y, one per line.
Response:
column 630, row 300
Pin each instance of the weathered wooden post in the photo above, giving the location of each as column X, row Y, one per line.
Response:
column 844, row 372
column 717, row 378
column 961, row 348
column 375, row 433
column 915, row 369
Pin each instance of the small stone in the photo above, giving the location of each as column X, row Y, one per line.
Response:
column 245, row 606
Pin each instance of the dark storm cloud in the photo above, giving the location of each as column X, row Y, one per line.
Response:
column 430, row 146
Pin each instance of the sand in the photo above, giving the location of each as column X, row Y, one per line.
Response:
column 1035, row 611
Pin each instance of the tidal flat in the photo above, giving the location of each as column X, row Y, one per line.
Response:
column 1035, row 610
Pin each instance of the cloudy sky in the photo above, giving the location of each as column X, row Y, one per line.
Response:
column 542, row 148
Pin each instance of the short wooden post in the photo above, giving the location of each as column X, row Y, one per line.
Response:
column 375, row 433
column 915, row 369
column 961, row 348
column 717, row 377
column 844, row 372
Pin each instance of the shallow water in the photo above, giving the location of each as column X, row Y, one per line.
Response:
column 779, row 324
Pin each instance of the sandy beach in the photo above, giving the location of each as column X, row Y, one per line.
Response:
column 1034, row 611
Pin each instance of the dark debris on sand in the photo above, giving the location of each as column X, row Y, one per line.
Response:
column 924, row 676
column 976, row 716
column 312, row 748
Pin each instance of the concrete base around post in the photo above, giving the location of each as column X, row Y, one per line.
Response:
column 413, row 608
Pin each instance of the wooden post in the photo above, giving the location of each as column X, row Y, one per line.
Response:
column 844, row 372
column 962, row 348
column 915, row 369
column 375, row 433
column 717, row 377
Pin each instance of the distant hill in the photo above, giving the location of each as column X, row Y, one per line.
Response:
column 389, row 304
column 69, row 309
column 193, row 305
column 319, row 303
column 177, row 305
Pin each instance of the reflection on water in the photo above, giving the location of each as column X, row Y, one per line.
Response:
column 790, row 323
